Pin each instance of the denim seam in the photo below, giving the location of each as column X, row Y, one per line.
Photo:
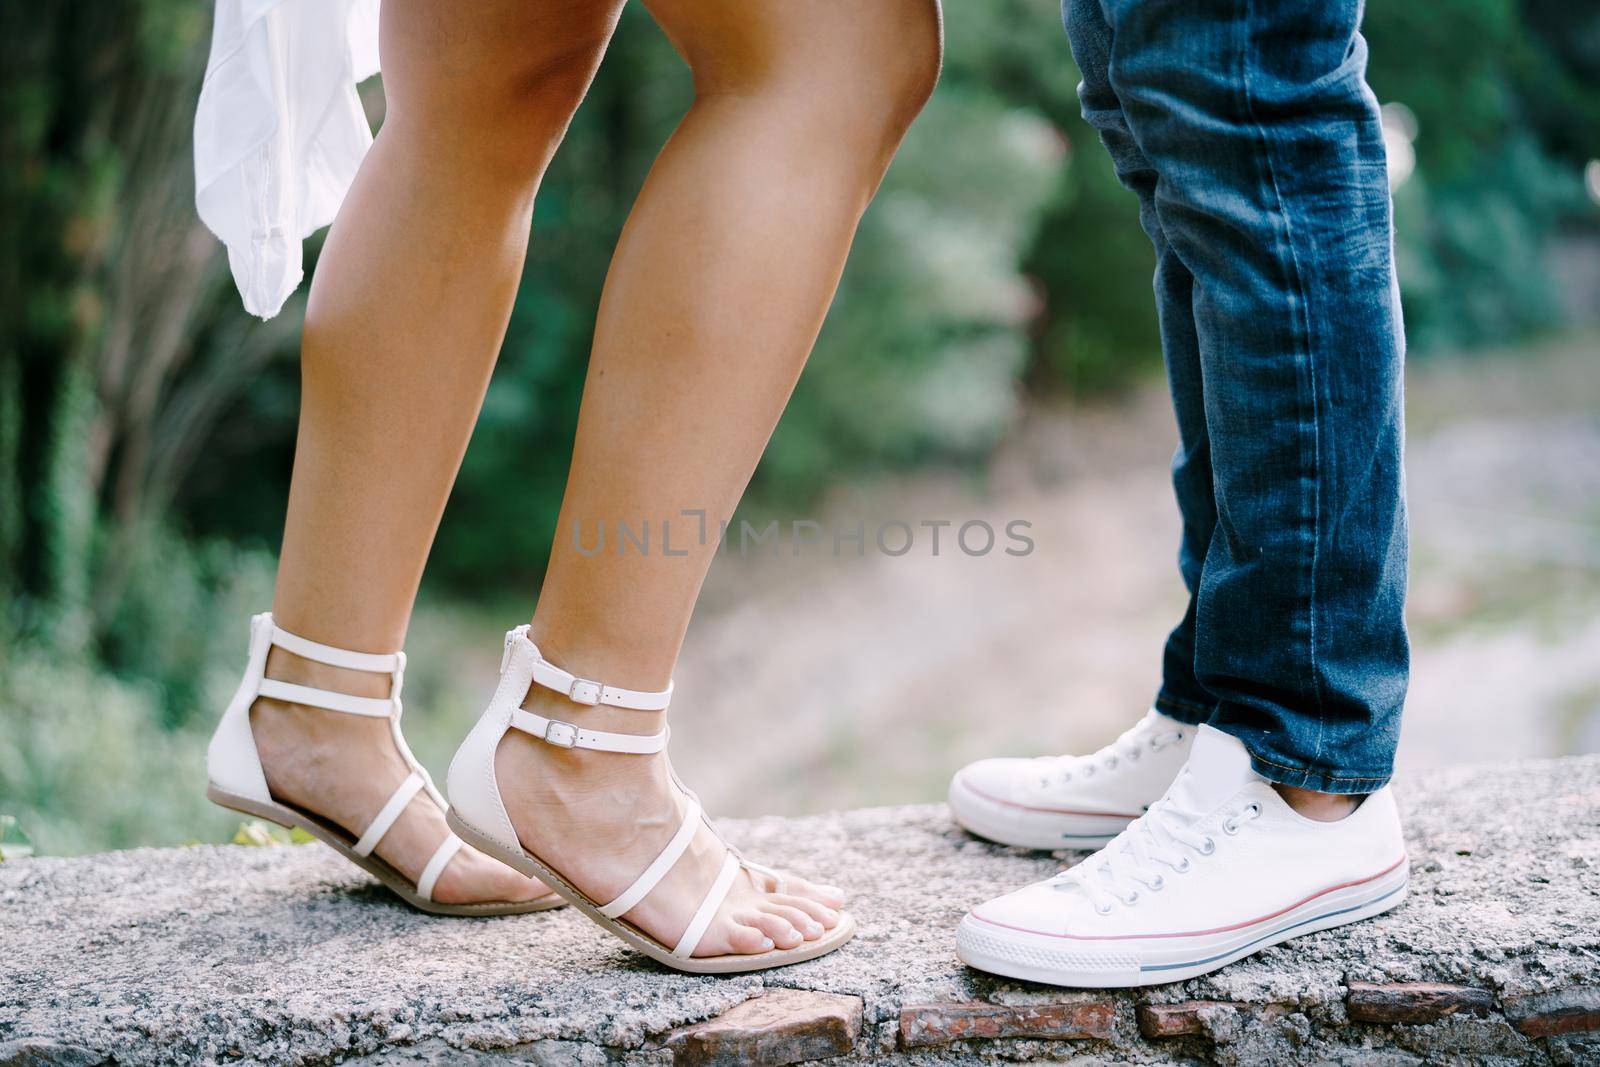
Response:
column 1176, row 709
column 1186, row 705
column 1310, row 364
column 1312, row 772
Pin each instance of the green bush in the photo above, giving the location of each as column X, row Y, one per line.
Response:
column 85, row 765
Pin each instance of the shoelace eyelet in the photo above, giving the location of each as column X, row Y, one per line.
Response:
column 1158, row 885
column 1183, row 868
column 1230, row 827
column 1131, row 899
column 1102, row 910
column 1111, row 763
column 1254, row 811
column 1209, row 847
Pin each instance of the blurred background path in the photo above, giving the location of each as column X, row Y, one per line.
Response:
column 884, row 676
column 814, row 683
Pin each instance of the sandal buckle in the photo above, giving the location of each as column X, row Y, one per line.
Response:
column 583, row 691
column 561, row 734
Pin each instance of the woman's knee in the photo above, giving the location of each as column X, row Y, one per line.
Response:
column 497, row 78
column 867, row 67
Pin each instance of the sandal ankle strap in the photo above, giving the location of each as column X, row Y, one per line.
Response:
column 391, row 663
column 583, row 690
column 523, row 660
column 305, row 648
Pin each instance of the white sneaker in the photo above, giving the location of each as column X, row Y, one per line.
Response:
column 1218, row 868
column 1082, row 802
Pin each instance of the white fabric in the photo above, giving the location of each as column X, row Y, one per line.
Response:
column 279, row 131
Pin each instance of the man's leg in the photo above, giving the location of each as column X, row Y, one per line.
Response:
column 1273, row 192
column 1255, row 146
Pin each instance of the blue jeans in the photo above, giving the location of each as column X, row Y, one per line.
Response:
column 1248, row 132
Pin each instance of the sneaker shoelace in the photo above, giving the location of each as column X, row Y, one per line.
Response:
column 1163, row 835
column 1134, row 741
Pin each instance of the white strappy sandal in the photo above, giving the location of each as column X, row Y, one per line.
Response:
column 238, row 783
column 479, row 815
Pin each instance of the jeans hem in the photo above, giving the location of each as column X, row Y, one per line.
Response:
column 1185, row 711
column 1314, row 779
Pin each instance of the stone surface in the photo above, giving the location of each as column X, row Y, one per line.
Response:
column 291, row 956
column 1414, row 1002
column 780, row 1026
column 940, row 1024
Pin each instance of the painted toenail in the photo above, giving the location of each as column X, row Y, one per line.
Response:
column 766, row 943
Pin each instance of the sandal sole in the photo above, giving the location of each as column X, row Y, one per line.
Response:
column 638, row 940
column 338, row 839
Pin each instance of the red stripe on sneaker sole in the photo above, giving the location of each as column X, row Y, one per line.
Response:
column 969, row 787
column 1194, row 933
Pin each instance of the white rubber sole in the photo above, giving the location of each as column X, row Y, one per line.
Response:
column 1035, row 828
column 1122, row 962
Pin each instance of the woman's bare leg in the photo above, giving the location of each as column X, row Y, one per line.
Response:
column 715, row 296
column 407, row 311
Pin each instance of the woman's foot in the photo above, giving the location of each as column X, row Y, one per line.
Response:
column 601, row 818
column 344, row 768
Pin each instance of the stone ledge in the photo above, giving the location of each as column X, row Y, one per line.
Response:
column 289, row 956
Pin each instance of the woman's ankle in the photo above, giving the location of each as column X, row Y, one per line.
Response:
column 641, row 659
column 620, row 664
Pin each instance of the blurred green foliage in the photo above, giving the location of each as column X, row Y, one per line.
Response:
column 147, row 423
column 1506, row 95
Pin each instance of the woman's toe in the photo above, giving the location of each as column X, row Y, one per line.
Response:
column 814, row 910
column 743, row 938
column 827, row 895
column 777, row 927
column 809, row 927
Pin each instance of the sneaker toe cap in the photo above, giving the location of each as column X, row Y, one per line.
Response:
column 990, row 779
column 1051, row 908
